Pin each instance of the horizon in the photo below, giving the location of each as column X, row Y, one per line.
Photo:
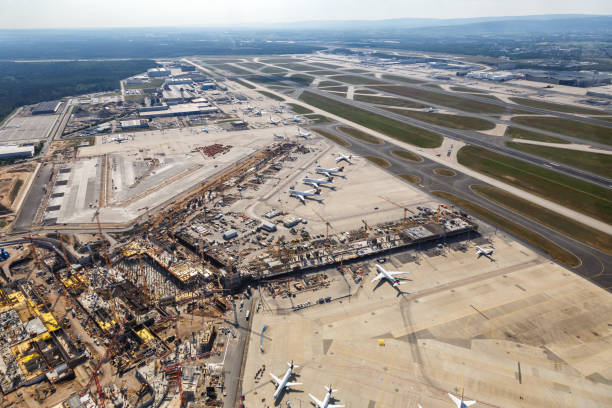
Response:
column 69, row 14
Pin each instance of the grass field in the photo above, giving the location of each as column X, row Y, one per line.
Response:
column 316, row 118
column 444, row 172
column 568, row 127
column 390, row 127
column 281, row 60
column 446, row 120
column 604, row 118
column 358, row 134
column 406, row 155
column 456, row 102
column 355, row 80
column 364, row 92
column 299, row 109
column 554, row 106
column 323, row 72
column 566, row 226
column 234, row 69
column 329, row 83
column 272, row 96
column 331, row 136
column 388, row 101
column 402, row 79
column 274, row 70
column 379, row 161
column 553, row 250
column 357, row 71
column 466, row 89
column 597, row 163
column 302, row 79
column 298, row 67
column 410, row 178
column 581, row 196
column 252, row 65
column 342, row 88
column 326, row 65
column 241, row 82
column 517, row 133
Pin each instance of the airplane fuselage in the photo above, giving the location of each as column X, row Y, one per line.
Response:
column 283, row 383
column 387, row 276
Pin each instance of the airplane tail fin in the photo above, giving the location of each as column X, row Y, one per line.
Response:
column 341, row 168
column 330, row 389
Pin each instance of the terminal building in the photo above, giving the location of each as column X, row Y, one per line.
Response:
column 158, row 72
column 133, row 124
column 185, row 109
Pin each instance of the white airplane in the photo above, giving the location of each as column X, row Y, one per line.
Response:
column 430, row 110
column 317, row 182
column 325, row 403
column 258, row 113
column 305, row 135
column 460, row 403
column 296, row 119
column 274, row 121
column 384, row 274
column 119, row 139
column 342, row 157
column 303, row 195
column 279, row 137
column 205, row 129
column 249, row 108
column 329, row 172
column 484, row 252
column 278, row 110
column 284, row 383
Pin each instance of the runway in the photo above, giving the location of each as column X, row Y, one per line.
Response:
column 595, row 265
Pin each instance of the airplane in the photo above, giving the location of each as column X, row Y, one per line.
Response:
column 305, row 135
column 258, row 113
column 296, row 119
column 342, row 157
column 460, row 403
column 284, row 383
column 484, row 252
column 249, row 108
column 329, row 172
column 384, row 274
column 279, row 137
column 325, row 403
column 303, row 195
column 316, row 182
column 119, row 139
column 278, row 110
column 205, row 129
column 274, row 121
column 429, row 110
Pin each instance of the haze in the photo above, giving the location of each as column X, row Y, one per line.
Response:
column 19, row 14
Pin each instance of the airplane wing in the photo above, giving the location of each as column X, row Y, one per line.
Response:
column 378, row 277
column 319, row 403
column 338, row 159
column 301, row 198
column 334, row 406
column 469, row 403
column 456, row 400
column 275, row 378
column 292, row 384
column 396, row 273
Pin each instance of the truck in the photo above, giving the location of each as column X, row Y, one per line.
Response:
column 248, row 314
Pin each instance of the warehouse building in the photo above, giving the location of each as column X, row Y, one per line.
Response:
column 158, row 72
column 11, row 152
column 133, row 124
column 46, row 108
column 175, row 94
column 268, row 227
column 229, row 234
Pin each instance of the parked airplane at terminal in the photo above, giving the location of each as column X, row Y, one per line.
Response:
column 329, row 172
column 484, row 252
column 317, row 182
column 326, row 401
column 274, row 121
column 305, row 135
column 296, row 119
column 284, row 383
column 342, row 157
column 460, row 403
column 384, row 274
column 303, row 195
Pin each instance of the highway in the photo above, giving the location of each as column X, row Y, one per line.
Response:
column 595, row 265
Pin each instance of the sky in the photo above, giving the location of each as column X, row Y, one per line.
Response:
column 22, row 14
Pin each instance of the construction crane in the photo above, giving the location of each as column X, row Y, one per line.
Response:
column 94, row 376
column 327, row 225
column 387, row 199
column 365, row 229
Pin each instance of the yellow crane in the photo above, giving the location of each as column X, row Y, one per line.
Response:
column 387, row 199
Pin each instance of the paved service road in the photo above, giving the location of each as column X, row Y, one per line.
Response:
column 34, row 198
column 596, row 265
